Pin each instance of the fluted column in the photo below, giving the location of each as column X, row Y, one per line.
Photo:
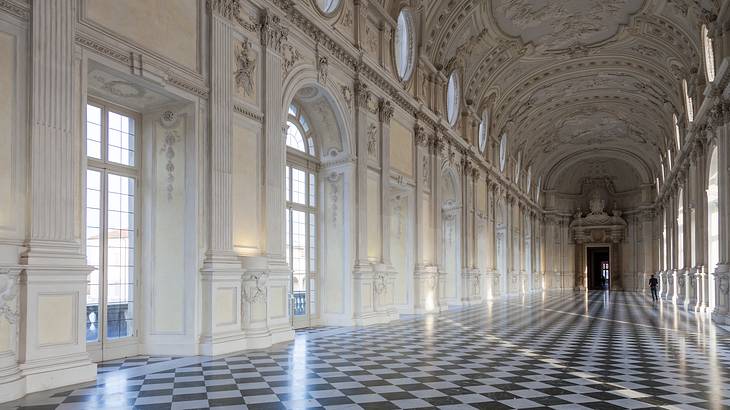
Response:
column 426, row 273
column 53, row 284
column 721, row 312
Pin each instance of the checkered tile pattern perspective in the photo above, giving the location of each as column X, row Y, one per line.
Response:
column 551, row 350
column 130, row 362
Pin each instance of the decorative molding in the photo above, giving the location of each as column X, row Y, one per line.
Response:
column 322, row 69
column 248, row 113
column 290, row 56
column 17, row 9
column 373, row 141
column 332, row 179
column 168, row 150
column 9, row 294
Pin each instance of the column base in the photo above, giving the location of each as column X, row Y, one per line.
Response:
column 45, row 374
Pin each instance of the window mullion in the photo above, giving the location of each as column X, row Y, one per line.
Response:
column 103, row 270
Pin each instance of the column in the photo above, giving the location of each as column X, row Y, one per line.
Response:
column 384, row 271
column 52, row 349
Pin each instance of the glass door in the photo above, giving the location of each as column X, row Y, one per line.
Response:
column 111, row 234
column 301, row 244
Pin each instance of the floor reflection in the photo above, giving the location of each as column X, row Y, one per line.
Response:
column 550, row 349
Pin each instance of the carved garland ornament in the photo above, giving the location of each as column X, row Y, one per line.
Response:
column 256, row 292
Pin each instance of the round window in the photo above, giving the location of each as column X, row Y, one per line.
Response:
column 483, row 130
column 403, row 45
column 502, row 152
column 452, row 98
column 327, row 6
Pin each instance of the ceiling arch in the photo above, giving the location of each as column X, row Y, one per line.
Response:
column 575, row 79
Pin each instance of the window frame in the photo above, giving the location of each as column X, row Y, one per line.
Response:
column 708, row 51
column 453, row 110
column 410, row 37
column 328, row 13
column 105, row 167
column 483, row 135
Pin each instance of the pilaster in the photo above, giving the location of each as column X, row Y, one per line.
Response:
column 53, row 282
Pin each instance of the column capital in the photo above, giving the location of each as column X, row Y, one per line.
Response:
column 385, row 111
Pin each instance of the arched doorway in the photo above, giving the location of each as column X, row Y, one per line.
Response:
column 501, row 248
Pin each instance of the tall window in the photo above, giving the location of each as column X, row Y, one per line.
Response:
column 301, row 216
column 676, row 132
column 111, row 192
column 404, row 44
column 709, row 50
column 688, row 101
column 452, row 98
column 680, row 229
column 502, row 152
column 483, row 131
column 713, row 214
column 664, row 241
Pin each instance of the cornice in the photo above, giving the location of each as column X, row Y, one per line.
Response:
column 17, row 9
column 240, row 109
column 170, row 76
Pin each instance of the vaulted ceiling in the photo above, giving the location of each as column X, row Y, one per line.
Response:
column 590, row 79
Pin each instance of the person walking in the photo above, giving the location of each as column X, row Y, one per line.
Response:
column 653, row 283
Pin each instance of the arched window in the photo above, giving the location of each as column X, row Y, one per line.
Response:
column 529, row 179
column 680, row 229
column 538, row 187
column 404, row 45
column 483, row 131
column 657, row 185
column 297, row 131
column 328, row 6
column 709, row 54
column 301, row 216
column 452, row 98
column 676, row 131
column 502, row 152
column 518, row 168
column 689, row 102
column 661, row 168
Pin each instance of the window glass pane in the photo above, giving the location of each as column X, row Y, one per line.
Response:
column 120, row 256
column 312, row 243
column 298, row 186
column 709, row 55
column 93, row 252
column 120, row 144
column 294, row 137
column 93, row 131
column 288, row 184
column 305, row 124
column 312, row 190
column 293, row 110
column 403, row 45
column 299, row 261
column 310, row 141
column 452, row 98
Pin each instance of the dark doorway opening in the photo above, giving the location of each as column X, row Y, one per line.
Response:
column 599, row 271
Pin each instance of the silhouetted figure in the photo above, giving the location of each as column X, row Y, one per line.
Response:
column 653, row 283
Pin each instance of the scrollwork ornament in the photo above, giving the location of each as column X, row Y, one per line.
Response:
column 229, row 9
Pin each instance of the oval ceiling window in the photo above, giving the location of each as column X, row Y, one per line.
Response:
column 483, row 129
column 327, row 6
column 452, row 98
column 403, row 45
column 502, row 152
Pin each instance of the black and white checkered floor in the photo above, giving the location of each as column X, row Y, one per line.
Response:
column 552, row 350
